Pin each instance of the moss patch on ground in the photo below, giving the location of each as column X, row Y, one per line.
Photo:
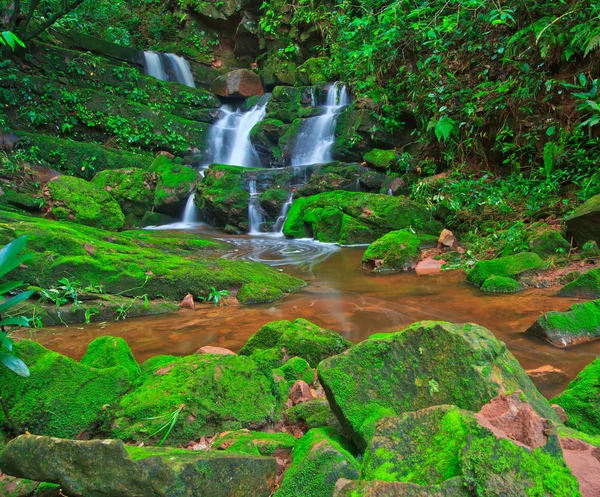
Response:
column 510, row 266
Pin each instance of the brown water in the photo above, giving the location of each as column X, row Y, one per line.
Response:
column 341, row 297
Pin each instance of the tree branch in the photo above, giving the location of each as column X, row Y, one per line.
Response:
column 43, row 27
column 15, row 15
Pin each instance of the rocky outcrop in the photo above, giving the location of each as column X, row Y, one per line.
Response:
column 450, row 488
column 174, row 184
column 132, row 188
column 107, row 468
column 580, row 324
column 429, row 363
column 510, row 266
column 584, row 223
column 585, row 286
column 396, row 251
column 241, row 83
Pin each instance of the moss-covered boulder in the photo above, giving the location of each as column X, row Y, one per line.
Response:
column 352, row 218
column 206, row 393
column 265, row 444
column 132, row 188
column 109, row 352
column 550, row 244
column 313, row 71
column 107, row 468
column 396, row 251
column 299, row 338
column 265, row 137
column 319, row 459
column 590, row 249
column 340, row 176
column 256, row 293
column 74, row 199
column 174, row 184
column 61, row 397
column 314, row 413
column 429, row 363
column 361, row 488
column 585, row 286
column 584, row 223
column 296, row 369
column 581, row 400
column 382, row 160
column 286, row 101
column 272, row 201
column 441, row 443
column 510, row 266
column 501, row 284
column 580, row 324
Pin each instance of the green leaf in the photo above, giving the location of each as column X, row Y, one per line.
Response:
column 550, row 130
column 7, row 304
column 6, row 341
column 17, row 321
column 445, row 128
column 15, row 365
column 9, row 286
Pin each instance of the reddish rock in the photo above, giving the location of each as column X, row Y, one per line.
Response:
column 168, row 155
column 562, row 415
column 547, row 375
column 447, row 239
column 208, row 349
column 300, row 392
column 239, row 83
column 429, row 266
column 584, row 461
column 90, row 249
column 188, row 302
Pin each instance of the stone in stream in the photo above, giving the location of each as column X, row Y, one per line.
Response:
column 546, row 375
column 239, row 83
column 510, row 266
column 395, row 251
column 504, row 449
column 501, row 284
column 584, row 223
column 585, row 286
column 107, row 468
column 584, row 461
column 209, row 349
column 580, row 324
column 447, row 240
column 581, row 400
column 428, row 363
column 429, row 265
column 188, row 302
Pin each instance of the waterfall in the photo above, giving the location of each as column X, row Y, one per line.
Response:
column 255, row 216
column 178, row 68
column 229, row 137
column 188, row 220
column 285, row 208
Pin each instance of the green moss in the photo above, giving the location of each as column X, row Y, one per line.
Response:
column 107, row 352
column 295, row 369
column 312, row 71
column 299, row 338
column 510, row 266
column 313, row 414
column 585, row 286
column 254, row 293
column 174, row 182
column 132, row 188
column 75, row 199
column 319, row 459
column 383, row 160
column 550, row 244
column 501, row 284
column 272, row 200
column 590, row 249
column 62, row 398
column 264, row 443
column 581, row 400
column 395, row 251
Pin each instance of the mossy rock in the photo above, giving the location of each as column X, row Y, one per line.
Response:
column 510, row 266
column 264, row 443
column 361, row 488
column 272, row 201
column 382, row 160
column 502, row 284
column 340, row 176
column 352, row 218
column 265, row 136
column 581, row 401
column 30, row 201
column 441, row 443
column 99, row 468
column 299, row 338
column 213, row 393
column 319, row 459
column 550, row 244
column 313, row 71
column 396, row 251
column 61, row 397
column 429, row 363
column 174, row 183
column 286, row 101
column 590, row 249
column 585, row 286
column 132, row 188
column 296, row 369
column 580, row 324
column 255, row 293
column 584, row 223
column 109, row 352
column 314, row 414
column 75, row 199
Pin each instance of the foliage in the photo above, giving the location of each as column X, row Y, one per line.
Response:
column 215, row 296
column 10, row 39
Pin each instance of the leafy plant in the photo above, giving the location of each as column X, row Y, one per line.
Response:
column 215, row 296
column 168, row 425
column 10, row 39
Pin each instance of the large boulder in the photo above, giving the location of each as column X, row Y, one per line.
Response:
column 550, row 244
column 510, row 266
column 584, row 223
column 429, row 363
column 132, row 188
column 206, row 394
column 396, row 251
column 319, row 459
column 61, row 397
column 265, row 137
column 501, row 284
column 351, row 218
column 586, row 286
column 299, row 338
column 505, row 449
column 581, row 323
column 240, row 83
column 174, row 184
column 107, row 468
column 581, row 400
column 74, row 199
column 340, row 176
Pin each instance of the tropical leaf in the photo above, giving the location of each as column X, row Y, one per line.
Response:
column 9, row 286
column 14, row 364
column 8, row 255
column 6, row 341
column 7, row 304
column 445, row 128
column 16, row 321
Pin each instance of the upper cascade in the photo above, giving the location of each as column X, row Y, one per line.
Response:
column 169, row 67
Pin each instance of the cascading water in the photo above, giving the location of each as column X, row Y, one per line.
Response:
column 285, row 208
column 161, row 65
column 188, row 220
column 229, row 137
column 255, row 215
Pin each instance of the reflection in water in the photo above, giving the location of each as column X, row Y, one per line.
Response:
column 340, row 297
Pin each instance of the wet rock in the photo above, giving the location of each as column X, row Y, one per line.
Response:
column 580, row 324
column 560, row 412
column 429, row 265
column 174, row 184
column 319, row 459
column 447, row 240
column 299, row 338
column 585, row 286
column 584, row 461
column 501, row 284
column 239, row 83
column 581, row 400
column 132, row 188
column 8, row 141
column 584, row 223
column 188, row 302
column 451, row 488
column 107, row 468
column 442, row 363
column 546, row 375
column 511, row 266
column 393, row 252
column 209, row 349
column 550, row 244
column 256, row 293
column 300, row 392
